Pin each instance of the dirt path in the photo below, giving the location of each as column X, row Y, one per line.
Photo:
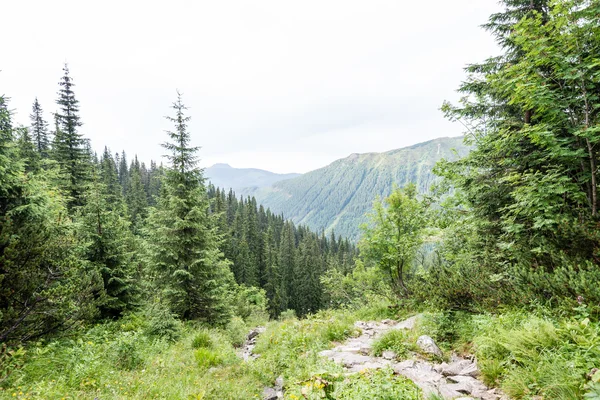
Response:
column 454, row 380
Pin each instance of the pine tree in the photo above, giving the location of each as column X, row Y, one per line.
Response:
column 39, row 129
column 27, row 150
column 110, row 178
column 307, row 286
column 137, row 204
column 109, row 247
column 70, row 148
column 123, row 173
column 43, row 285
column 190, row 268
column 287, row 262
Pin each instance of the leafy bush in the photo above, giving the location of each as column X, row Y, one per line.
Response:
column 126, row 353
column 394, row 340
column 202, row 339
column 250, row 303
column 236, row 331
column 287, row 314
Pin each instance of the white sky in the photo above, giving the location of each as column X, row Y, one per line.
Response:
column 287, row 86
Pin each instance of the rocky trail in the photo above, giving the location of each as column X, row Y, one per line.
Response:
column 454, row 380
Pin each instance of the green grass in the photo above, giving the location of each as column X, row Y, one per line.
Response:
column 528, row 355
column 394, row 340
column 126, row 360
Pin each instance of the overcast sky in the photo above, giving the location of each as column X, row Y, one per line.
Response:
column 287, row 86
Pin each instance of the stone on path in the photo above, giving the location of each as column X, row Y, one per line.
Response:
column 454, row 380
column 427, row 344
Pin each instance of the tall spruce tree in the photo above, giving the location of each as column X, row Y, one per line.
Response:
column 70, row 147
column 184, row 248
column 137, row 201
column 108, row 247
column 39, row 129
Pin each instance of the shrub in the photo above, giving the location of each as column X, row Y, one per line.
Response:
column 394, row 340
column 126, row 352
column 202, row 339
column 207, row 358
column 236, row 331
column 162, row 323
column 287, row 314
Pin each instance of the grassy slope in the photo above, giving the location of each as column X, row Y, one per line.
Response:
column 118, row 361
column 529, row 356
column 338, row 196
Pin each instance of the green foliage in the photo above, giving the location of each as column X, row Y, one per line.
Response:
column 250, row 303
column 394, row 340
column 207, row 358
column 162, row 322
column 202, row 339
column 126, row 352
column 187, row 263
column 380, row 385
column 529, row 188
column 237, row 331
column 396, row 232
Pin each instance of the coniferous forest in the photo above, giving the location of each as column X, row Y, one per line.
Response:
column 120, row 279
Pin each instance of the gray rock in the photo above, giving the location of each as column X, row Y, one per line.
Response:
column 452, row 391
column 269, row 394
column 388, row 355
column 365, row 349
column 253, row 333
column 379, row 364
column 470, row 370
column 456, row 367
column 404, row 365
column 388, row 322
column 428, row 345
column 408, row 323
column 279, row 383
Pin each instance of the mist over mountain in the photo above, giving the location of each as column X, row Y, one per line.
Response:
column 242, row 180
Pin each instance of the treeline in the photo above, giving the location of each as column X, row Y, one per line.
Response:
column 271, row 253
column 85, row 238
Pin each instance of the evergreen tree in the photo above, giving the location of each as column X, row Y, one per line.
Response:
column 287, row 262
column 307, row 294
column 70, row 148
column 189, row 267
column 123, row 173
column 27, row 150
column 43, row 286
column 137, row 204
column 109, row 247
column 39, row 129
column 110, row 178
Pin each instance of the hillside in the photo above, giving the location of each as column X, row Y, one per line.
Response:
column 241, row 180
column 338, row 195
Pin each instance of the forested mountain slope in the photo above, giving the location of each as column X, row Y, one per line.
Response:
column 338, row 196
column 242, row 180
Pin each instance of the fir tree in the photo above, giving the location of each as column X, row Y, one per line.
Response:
column 39, row 129
column 190, row 268
column 137, row 204
column 109, row 248
column 70, row 148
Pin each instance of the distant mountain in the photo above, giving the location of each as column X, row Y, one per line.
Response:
column 339, row 195
column 242, row 180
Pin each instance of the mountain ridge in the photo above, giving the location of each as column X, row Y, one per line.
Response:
column 337, row 197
